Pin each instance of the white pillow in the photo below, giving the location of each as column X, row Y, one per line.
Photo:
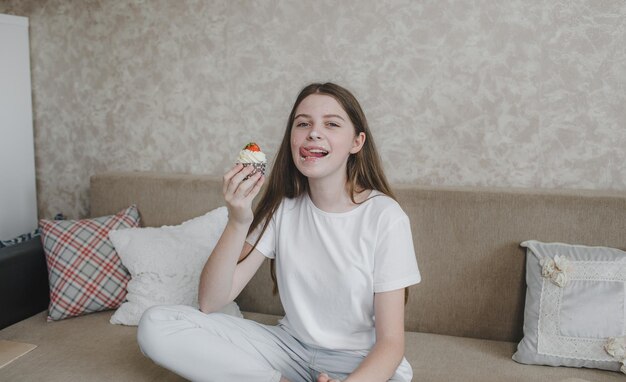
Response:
column 165, row 264
column 575, row 312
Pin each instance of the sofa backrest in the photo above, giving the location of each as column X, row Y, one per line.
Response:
column 466, row 242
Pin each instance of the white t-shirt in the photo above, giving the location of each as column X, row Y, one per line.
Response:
column 329, row 265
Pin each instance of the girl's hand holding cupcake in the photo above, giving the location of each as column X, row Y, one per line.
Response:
column 241, row 184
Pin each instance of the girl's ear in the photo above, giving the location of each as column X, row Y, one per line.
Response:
column 358, row 143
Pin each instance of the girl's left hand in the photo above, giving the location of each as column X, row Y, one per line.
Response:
column 325, row 378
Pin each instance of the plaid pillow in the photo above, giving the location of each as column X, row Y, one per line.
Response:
column 85, row 273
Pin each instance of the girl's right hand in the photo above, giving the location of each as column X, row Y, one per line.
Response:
column 325, row 378
column 239, row 193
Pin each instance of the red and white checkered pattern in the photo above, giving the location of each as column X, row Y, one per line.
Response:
column 84, row 271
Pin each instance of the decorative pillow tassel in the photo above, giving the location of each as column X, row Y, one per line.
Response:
column 616, row 347
column 556, row 270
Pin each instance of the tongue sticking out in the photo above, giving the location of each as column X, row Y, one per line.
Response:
column 314, row 153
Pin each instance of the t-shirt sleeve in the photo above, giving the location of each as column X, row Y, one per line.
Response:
column 267, row 244
column 395, row 264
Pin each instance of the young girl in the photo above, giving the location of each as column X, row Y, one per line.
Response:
column 341, row 252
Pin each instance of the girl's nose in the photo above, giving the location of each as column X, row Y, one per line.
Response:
column 314, row 134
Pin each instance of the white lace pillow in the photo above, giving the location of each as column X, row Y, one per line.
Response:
column 165, row 264
column 575, row 313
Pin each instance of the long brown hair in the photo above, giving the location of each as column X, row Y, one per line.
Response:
column 364, row 169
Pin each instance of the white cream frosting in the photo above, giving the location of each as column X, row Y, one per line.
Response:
column 247, row 156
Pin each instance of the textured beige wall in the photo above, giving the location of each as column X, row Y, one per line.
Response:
column 487, row 93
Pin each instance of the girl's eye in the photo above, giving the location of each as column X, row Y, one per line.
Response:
column 302, row 124
column 332, row 124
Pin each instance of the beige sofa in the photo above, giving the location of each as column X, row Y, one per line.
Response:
column 463, row 321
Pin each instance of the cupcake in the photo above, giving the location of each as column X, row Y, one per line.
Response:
column 251, row 155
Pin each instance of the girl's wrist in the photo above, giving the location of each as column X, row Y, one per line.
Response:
column 238, row 225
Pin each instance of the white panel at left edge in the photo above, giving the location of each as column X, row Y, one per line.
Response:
column 18, row 198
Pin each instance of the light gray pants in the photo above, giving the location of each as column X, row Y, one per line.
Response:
column 218, row 347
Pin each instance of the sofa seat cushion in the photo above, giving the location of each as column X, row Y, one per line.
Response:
column 436, row 357
column 90, row 348
column 85, row 348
